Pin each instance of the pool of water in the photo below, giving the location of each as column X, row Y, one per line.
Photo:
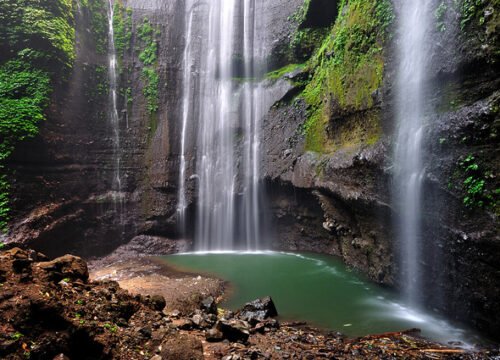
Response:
column 318, row 289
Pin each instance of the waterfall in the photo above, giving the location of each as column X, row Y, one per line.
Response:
column 414, row 25
column 113, row 117
column 226, row 110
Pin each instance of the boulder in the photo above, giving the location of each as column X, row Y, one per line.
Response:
column 258, row 310
column 234, row 330
column 214, row 335
column 67, row 266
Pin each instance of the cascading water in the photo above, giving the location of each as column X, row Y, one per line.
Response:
column 414, row 24
column 113, row 113
column 227, row 115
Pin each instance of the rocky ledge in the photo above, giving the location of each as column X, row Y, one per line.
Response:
column 51, row 310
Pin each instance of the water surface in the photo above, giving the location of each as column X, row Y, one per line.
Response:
column 318, row 289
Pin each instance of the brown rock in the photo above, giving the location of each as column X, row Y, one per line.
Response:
column 182, row 347
column 68, row 266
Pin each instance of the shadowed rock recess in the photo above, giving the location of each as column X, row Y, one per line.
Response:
column 326, row 150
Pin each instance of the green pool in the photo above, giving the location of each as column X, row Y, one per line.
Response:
column 318, row 289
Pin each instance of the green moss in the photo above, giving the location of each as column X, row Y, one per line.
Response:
column 348, row 67
column 278, row 74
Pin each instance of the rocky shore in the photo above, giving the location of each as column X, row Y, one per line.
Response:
column 50, row 309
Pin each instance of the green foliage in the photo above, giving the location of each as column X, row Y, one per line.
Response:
column 16, row 336
column 439, row 14
column 348, row 67
column 149, row 57
column 111, row 327
column 146, row 33
column 43, row 31
column 474, row 185
column 24, row 93
column 122, row 24
column 37, row 39
column 470, row 10
column 98, row 13
column 150, row 91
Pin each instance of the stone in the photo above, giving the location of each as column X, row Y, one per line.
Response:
column 182, row 324
column 214, row 335
column 67, row 266
column 258, row 310
column 61, row 357
column 158, row 302
column 234, row 330
column 208, row 305
column 182, row 347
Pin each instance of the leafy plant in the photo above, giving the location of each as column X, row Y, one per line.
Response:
column 16, row 336
column 475, row 184
column 149, row 56
column 439, row 14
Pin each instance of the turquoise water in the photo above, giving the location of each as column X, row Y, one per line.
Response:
column 318, row 289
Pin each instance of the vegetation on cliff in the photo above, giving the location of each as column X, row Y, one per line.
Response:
column 348, row 67
column 36, row 40
column 148, row 55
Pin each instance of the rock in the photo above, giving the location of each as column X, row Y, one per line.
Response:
column 208, row 305
column 182, row 324
column 158, row 302
column 182, row 347
column 67, row 266
column 214, row 335
column 156, row 357
column 146, row 332
column 61, row 357
column 234, row 330
column 258, row 310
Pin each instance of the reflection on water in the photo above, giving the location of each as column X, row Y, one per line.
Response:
column 318, row 289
